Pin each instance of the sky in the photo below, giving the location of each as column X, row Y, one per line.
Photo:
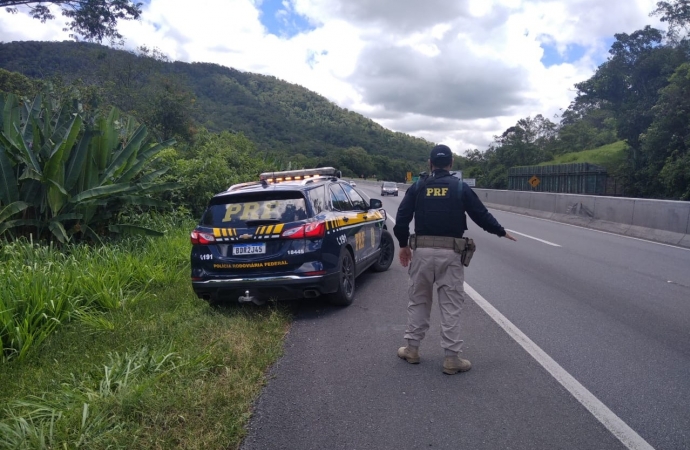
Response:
column 457, row 72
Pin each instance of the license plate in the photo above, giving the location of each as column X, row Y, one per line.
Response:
column 248, row 249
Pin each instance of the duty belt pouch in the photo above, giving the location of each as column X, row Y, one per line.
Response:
column 466, row 248
column 413, row 241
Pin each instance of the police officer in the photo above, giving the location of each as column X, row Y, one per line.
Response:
column 438, row 203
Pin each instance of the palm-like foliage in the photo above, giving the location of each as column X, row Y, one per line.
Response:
column 64, row 172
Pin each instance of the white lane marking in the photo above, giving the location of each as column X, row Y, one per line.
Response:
column 532, row 237
column 611, row 421
column 593, row 229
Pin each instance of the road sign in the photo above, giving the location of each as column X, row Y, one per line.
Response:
column 470, row 181
column 409, row 177
column 534, row 181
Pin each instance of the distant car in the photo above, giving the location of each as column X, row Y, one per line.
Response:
column 352, row 183
column 293, row 234
column 389, row 188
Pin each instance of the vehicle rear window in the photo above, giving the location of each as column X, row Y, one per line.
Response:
column 388, row 184
column 235, row 211
column 317, row 197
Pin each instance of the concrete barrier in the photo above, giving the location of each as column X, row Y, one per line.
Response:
column 657, row 220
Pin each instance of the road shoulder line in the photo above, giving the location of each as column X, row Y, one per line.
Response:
column 603, row 414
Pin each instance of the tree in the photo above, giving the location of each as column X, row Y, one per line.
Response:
column 527, row 142
column 629, row 85
column 677, row 14
column 666, row 145
column 17, row 84
column 91, row 20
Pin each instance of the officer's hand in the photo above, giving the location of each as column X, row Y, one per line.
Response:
column 509, row 236
column 405, row 256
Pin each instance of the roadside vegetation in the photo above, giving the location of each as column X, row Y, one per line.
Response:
column 107, row 161
column 102, row 342
column 108, row 347
column 611, row 156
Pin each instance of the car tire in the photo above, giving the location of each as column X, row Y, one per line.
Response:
column 396, row 194
column 387, row 253
column 346, row 280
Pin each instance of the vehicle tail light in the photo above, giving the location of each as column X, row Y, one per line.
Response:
column 312, row 230
column 200, row 238
column 316, row 272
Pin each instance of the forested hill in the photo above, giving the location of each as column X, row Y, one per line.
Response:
column 276, row 115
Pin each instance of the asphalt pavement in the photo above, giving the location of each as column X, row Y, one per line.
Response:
column 578, row 339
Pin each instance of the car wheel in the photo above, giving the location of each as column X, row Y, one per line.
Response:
column 387, row 253
column 396, row 194
column 346, row 283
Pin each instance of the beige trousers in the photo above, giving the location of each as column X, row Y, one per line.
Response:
column 444, row 268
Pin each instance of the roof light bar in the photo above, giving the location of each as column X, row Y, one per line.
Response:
column 298, row 175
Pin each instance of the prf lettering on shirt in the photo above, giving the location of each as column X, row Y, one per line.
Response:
column 436, row 192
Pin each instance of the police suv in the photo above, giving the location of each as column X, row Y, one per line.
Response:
column 292, row 234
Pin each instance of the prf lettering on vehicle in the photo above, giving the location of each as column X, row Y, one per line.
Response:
column 436, row 192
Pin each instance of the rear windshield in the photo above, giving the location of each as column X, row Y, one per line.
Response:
column 388, row 184
column 247, row 210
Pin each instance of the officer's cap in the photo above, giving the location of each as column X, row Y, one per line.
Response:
column 441, row 156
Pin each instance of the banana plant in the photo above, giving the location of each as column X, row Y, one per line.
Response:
column 63, row 172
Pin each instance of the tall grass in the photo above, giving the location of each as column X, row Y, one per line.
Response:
column 129, row 358
column 43, row 287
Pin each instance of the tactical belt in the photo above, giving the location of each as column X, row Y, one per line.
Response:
column 432, row 242
column 464, row 246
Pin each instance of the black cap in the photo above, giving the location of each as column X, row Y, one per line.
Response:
column 441, row 156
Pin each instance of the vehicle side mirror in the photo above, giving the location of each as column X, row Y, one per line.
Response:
column 375, row 203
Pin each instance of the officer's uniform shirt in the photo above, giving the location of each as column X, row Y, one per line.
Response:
column 438, row 205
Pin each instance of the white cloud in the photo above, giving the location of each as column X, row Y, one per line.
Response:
column 449, row 71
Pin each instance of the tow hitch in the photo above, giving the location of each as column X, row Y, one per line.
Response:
column 246, row 298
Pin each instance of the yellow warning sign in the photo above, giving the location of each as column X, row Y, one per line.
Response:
column 409, row 176
column 534, row 181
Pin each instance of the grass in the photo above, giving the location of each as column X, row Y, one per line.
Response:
column 610, row 156
column 131, row 359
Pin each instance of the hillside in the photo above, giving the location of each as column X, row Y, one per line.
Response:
column 278, row 116
column 611, row 156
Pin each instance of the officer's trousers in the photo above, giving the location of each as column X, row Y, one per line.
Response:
column 443, row 267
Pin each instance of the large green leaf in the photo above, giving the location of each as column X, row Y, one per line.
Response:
column 58, row 231
column 107, row 141
column 54, row 171
column 75, row 163
column 52, row 184
column 12, row 209
column 145, row 158
column 119, row 164
column 100, row 191
column 26, row 153
column 10, row 114
column 149, row 177
column 9, row 190
column 9, row 224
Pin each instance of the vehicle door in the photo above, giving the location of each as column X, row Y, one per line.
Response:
column 349, row 223
column 370, row 220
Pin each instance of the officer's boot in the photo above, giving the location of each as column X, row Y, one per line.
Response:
column 454, row 364
column 409, row 354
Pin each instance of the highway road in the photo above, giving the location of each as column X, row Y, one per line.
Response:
column 579, row 340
